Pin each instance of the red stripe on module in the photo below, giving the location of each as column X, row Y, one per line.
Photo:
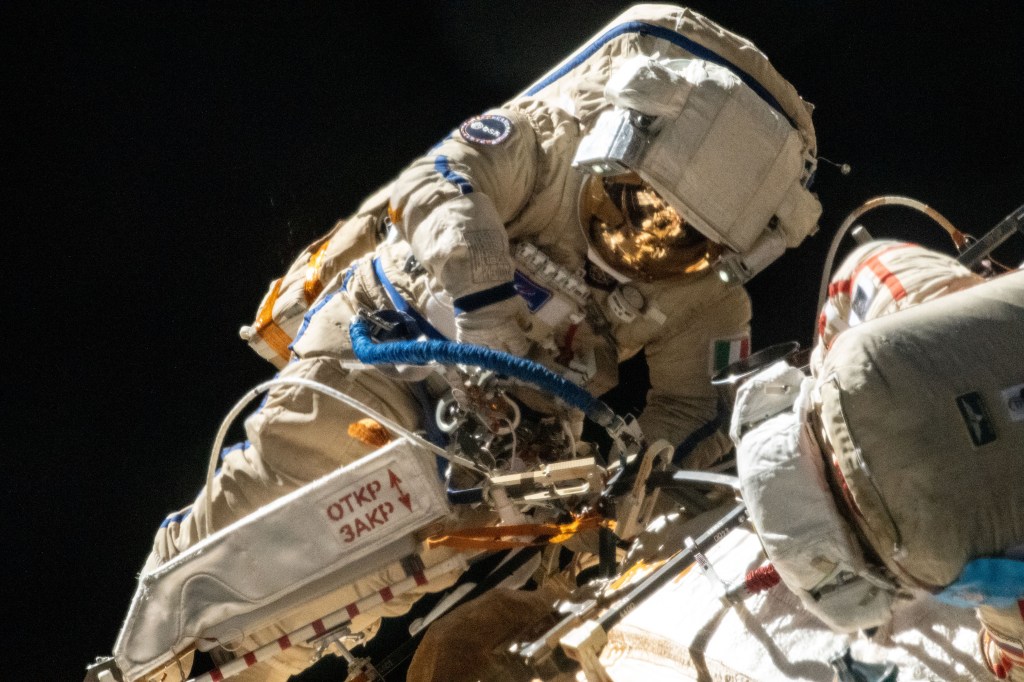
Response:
column 745, row 347
column 1020, row 605
column 875, row 262
column 318, row 627
column 284, row 642
column 843, row 286
column 353, row 611
column 420, row 578
column 887, row 277
column 216, row 675
column 250, row 659
column 386, row 594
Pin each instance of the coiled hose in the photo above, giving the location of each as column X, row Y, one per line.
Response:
column 452, row 353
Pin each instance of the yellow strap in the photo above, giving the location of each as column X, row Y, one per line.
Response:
column 500, row 537
column 267, row 329
column 313, row 285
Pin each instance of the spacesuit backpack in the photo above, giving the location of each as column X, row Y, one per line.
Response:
column 899, row 462
column 922, row 417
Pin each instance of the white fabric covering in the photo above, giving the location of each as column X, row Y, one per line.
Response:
column 685, row 632
column 292, row 550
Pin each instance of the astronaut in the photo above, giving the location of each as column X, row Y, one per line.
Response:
column 615, row 207
column 893, row 470
column 976, row 557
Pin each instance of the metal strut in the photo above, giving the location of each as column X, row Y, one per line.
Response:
column 993, row 238
column 582, row 633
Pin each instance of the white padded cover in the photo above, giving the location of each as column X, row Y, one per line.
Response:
column 325, row 534
column 721, row 155
column 782, row 477
column 685, row 632
column 923, row 409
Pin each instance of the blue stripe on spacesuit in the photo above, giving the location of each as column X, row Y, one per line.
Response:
column 176, row 518
column 402, row 305
column 181, row 516
column 696, row 49
column 481, row 299
column 995, row 581
column 347, row 276
column 442, row 167
column 691, row 442
column 237, row 446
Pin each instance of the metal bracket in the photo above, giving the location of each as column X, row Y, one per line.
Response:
column 104, row 669
column 583, row 644
column 636, row 508
column 993, row 238
column 559, row 479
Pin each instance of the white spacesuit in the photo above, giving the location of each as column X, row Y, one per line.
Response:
column 895, row 467
column 692, row 157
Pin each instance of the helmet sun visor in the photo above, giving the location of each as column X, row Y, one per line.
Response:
column 636, row 232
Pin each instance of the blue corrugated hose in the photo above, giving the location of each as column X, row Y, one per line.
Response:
column 451, row 353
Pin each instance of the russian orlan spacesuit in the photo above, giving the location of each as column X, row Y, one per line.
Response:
column 895, row 467
column 612, row 208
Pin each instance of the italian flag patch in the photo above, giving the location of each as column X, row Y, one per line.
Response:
column 724, row 352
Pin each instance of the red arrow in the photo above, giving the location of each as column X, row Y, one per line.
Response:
column 403, row 496
column 395, row 480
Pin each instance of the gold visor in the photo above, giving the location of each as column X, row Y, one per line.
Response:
column 638, row 233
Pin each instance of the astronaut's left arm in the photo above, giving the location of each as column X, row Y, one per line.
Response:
column 682, row 405
column 452, row 205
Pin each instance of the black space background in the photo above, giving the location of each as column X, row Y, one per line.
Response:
column 164, row 161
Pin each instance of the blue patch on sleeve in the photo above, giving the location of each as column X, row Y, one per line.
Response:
column 534, row 294
column 488, row 130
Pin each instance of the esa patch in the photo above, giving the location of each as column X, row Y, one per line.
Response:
column 489, row 129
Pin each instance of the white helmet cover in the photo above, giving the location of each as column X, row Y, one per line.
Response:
column 727, row 159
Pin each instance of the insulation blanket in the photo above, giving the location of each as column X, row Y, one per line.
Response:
column 295, row 549
column 924, row 410
column 685, row 632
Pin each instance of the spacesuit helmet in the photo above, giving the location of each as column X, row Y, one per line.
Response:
column 707, row 144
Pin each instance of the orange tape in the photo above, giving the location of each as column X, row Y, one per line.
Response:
column 369, row 431
column 498, row 537
column 394, row 214
column 313, row 285
column 267, row 329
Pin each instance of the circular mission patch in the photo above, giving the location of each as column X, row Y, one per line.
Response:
column 489, row 129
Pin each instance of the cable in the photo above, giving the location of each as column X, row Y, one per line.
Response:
column 332, row 393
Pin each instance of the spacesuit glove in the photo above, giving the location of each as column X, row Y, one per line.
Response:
column 501, row 326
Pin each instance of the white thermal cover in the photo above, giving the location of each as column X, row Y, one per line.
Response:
column 325, row 534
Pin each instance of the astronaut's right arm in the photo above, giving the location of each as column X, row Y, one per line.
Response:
column 682, row 405
column 452, row 205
